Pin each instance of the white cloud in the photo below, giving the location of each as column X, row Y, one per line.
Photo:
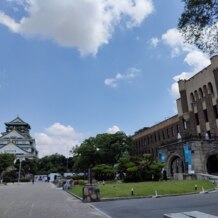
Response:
column 8, row 21
column 113, row 129
column 128, row 76
column 57, row 138
column 194, row 57
column 84, row 24
column 154, row 42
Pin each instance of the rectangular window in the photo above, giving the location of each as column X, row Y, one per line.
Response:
column 197, row 119
column 173, row 131
column 205, row 115
column 168, row 133
column 215, row 111
column 177, row 128
column 163, row 135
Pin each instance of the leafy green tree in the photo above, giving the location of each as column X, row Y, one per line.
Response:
column 28, row 166
column 139, row 168
column 104, row 172
column 6, row 160
column 198, row 24
column 54, row 163
column 103, row 149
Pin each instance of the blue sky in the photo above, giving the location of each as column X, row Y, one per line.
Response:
column 73, row 69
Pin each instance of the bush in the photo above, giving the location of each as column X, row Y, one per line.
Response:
column 79, row 177
column 80, row 182
column 24, row 180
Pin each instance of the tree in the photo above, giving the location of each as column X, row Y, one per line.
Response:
column 28, row 166
column 55, row 163
column 6, row 160
column 198, row 24
column 104, row 172
column 103, row 149
column 139, row 168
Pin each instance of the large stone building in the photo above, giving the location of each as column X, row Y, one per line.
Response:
column 17, row 139
column 188, row 141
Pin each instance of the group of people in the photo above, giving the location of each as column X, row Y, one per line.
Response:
column 68, row 184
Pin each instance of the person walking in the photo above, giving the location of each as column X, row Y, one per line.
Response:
column 32, row 179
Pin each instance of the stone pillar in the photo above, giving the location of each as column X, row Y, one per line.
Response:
column 91, row 193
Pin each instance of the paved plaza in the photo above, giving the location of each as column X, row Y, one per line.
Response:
column 44, row 200
column 41, row 200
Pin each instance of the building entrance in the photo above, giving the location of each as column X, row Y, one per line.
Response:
column 176, row 165
column 212, row 164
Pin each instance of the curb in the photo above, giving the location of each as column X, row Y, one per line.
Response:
column 149, row 196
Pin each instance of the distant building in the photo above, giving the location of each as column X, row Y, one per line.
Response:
column 188, row 141
column 17, row 140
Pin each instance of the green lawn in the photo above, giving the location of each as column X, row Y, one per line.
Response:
column 148, row 188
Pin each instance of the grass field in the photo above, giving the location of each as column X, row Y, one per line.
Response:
column 114, row 190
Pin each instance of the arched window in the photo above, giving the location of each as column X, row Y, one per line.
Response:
column 205, row 90
column 196, row 95
column 201, row 94
column 192, row 97
column 210, row 88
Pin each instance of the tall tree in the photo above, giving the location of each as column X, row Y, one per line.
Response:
column 28, row 166
column 198, row 24
column 55, row 163
column 6, row 160
column 103, row 149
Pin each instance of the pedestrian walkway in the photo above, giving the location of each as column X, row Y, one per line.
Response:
column 42, row 200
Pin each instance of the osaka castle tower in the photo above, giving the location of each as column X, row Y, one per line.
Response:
column 17, row 140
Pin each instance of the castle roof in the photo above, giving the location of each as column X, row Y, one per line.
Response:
column 17, row 122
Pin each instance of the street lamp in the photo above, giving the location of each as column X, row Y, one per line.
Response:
column 20, row 165
column 19, row 171
column 90, row 171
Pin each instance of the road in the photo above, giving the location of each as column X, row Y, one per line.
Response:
column 156, row 207
column 42, row 200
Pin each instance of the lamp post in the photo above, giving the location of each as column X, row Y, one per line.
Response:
column 90, row 175
column 90, row 170
column 20, row 166
column 19, row 171
column 90, row 191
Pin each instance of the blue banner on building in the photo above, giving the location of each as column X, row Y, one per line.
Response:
column 188, row 154
column 162, row 156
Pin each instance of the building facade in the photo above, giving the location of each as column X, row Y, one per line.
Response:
column 188, row 141
column 17, row 140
